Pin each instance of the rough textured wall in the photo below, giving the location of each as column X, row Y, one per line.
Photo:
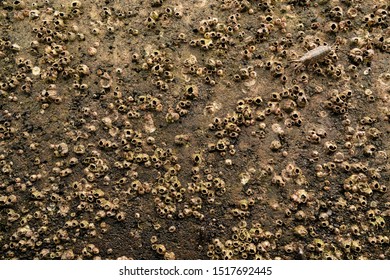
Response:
column 195, row 129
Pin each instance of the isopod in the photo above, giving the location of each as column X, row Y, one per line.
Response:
column 313, row 56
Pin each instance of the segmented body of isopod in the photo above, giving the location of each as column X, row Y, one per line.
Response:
column 313, row 56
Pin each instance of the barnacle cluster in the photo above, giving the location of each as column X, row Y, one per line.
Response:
column 221, row 129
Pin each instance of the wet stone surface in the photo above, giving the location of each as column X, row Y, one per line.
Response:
column 196, row 129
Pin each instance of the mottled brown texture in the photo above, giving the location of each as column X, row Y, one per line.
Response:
column 180, row 129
